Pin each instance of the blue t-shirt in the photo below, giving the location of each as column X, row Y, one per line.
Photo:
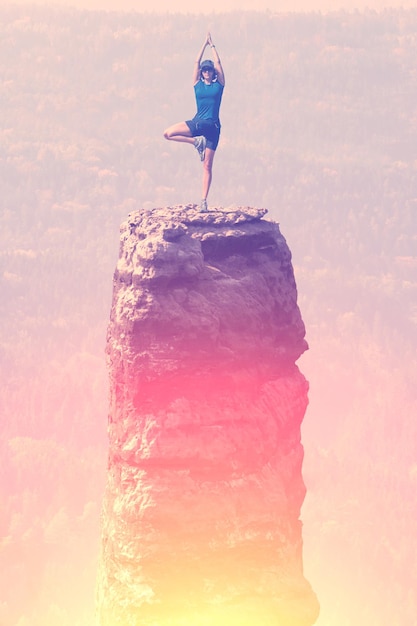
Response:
column 208, row 99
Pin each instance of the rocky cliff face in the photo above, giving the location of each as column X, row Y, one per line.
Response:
column 201, row 514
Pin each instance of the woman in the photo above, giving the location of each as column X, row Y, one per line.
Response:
column 203, row 131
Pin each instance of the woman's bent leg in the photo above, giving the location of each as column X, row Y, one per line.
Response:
column 179, row 132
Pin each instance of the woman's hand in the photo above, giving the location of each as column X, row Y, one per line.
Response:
column 209, row 40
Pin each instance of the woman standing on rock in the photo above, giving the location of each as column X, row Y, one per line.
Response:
column 203, row 131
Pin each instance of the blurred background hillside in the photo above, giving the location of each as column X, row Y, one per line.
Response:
column 319, row 126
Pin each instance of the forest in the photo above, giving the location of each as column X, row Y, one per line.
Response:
column 319, row 125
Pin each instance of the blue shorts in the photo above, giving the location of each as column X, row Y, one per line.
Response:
column 209, row 128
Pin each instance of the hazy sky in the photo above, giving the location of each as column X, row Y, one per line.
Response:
column 191, row 6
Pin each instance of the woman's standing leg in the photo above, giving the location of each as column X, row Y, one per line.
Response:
column 207, row 177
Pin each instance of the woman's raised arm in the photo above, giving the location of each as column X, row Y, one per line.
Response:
column 196, row 71
column 217, row 63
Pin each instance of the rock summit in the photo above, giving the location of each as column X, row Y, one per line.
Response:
column 201, row 512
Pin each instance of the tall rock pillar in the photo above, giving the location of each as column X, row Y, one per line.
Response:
column 201, row 511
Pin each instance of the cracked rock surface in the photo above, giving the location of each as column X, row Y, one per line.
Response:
column 201, row 512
